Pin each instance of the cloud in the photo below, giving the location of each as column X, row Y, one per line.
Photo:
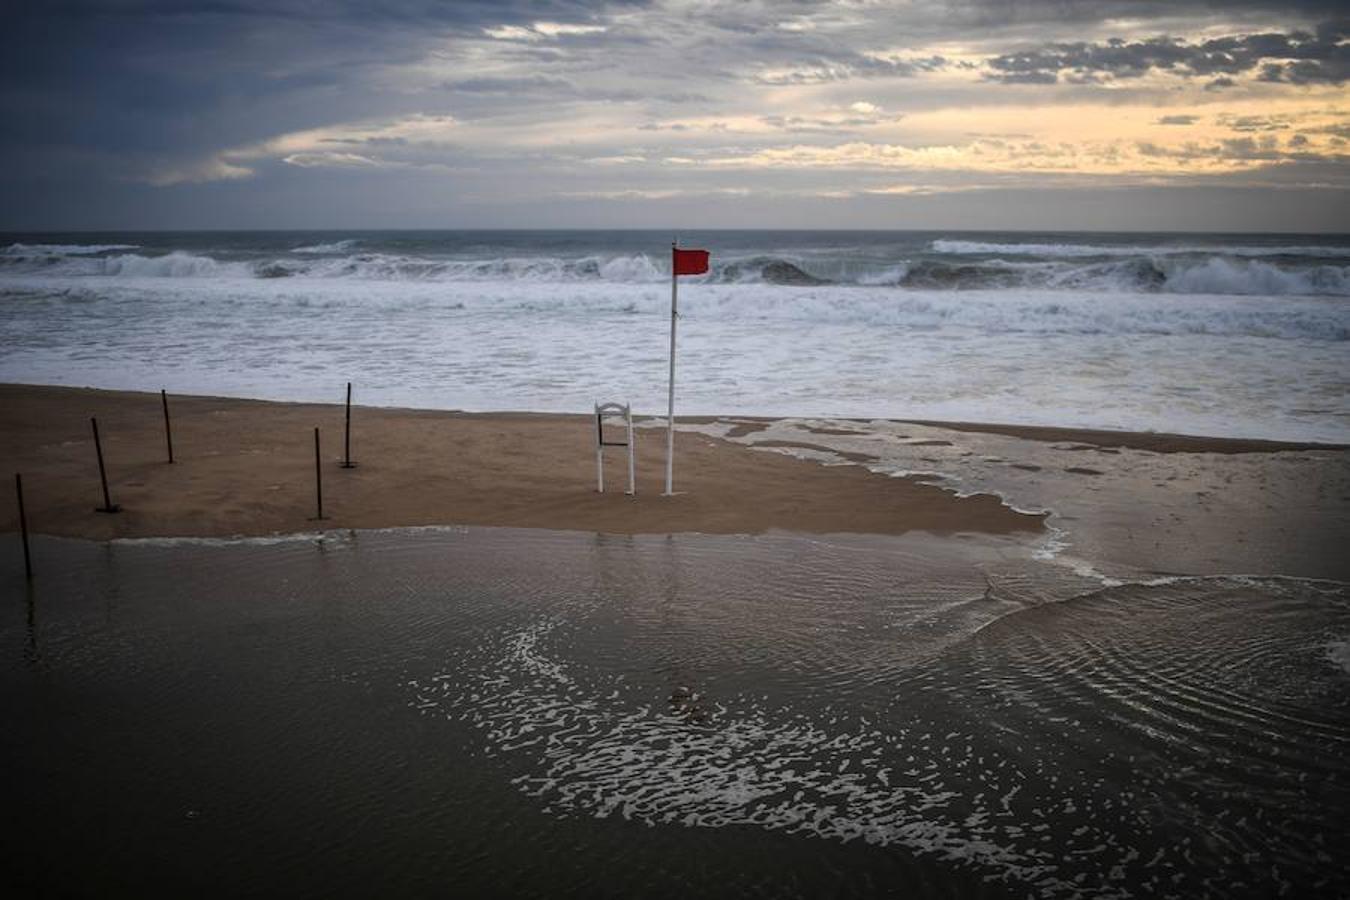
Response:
column 330, row 159
column 859, row 114
column 509, row 84
column 843, row 67
column 105, row 101
column 654, row 193
column 989, row 14
column 213, row 169
column 1253, row 123
column 617, row 160
column 312, row 149
column 1109, row 158
column 926, row 190
column 563, row 29
column 1296, row 57
column 541, row 31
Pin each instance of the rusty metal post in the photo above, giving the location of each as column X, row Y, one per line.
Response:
column 347, row 440
column 108, row 506
column 318, row 478
column 23, row 526
column 168, row 432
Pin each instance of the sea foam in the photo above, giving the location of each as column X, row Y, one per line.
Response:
column 1338, row 654
column 988, row 248
column 48, row 250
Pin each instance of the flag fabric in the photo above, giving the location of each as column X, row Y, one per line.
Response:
column 690, row 262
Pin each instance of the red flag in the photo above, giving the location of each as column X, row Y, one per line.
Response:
column 690, row 262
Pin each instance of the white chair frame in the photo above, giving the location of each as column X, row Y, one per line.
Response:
column 602, row 410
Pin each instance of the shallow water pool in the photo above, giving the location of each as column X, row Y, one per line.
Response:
column 526, row 713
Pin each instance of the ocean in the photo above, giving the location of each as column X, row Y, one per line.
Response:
column 1209, row 334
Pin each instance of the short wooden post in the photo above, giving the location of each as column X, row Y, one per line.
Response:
column 347, row 439
column 108, row 506
column 168, row 432
column 318, row 478
column 23, row 526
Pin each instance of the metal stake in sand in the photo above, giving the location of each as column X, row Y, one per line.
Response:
column 168, row 432
column 108, row 506
column 23, row 526
column 318, row 478
column 347, row 437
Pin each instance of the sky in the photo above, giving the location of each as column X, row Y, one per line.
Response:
column 951, row 114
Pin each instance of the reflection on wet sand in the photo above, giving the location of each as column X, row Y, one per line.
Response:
column 531, row 713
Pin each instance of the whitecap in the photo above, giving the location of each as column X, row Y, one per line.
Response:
column 63, row 249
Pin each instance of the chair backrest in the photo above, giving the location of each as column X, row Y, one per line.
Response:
column 602, row 410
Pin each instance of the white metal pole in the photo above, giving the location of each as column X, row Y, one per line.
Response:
column 670, row 400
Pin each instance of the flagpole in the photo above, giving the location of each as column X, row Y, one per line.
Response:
column 670, row 399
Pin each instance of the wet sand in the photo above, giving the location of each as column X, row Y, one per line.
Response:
column 1088, row 438
column 1125, row 505
column 247, row 468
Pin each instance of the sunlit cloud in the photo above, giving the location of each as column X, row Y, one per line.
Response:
column 329, row 159
column 1108, row 158
column 540, row 31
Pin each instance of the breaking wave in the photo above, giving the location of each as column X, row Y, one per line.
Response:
column 334, row 247
column 956, row 266
column 991, row 312
column 1208, row 275
column 986, row 248
column 57, row 250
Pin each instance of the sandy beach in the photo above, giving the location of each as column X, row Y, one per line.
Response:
column 247, row 468
column 1153, row 502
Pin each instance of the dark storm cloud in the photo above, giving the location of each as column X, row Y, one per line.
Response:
column 417, row 13
column 510, row 85
column 146, row 74
column 255, row 112
column 842, row 66
column 993, row 13
column 545, row 86
column 1298, row 57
